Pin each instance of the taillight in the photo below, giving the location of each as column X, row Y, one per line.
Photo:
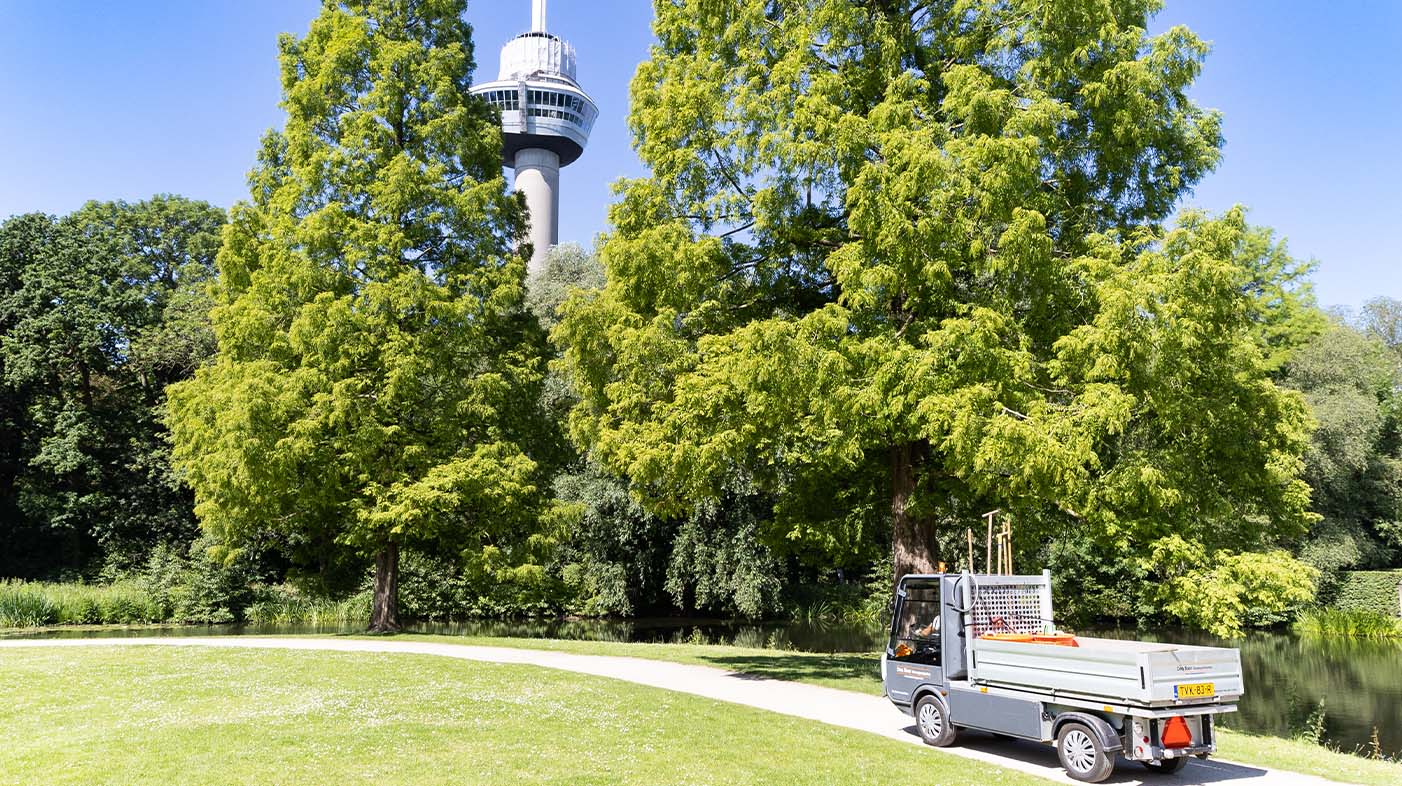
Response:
column 1176, row 733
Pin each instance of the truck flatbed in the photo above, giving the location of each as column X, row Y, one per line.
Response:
column 1149, row 674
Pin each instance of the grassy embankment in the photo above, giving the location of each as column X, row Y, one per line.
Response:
column 1333, row 623
column 33, row 605
column 859, row 672
column 147, row 715
column 134, row 602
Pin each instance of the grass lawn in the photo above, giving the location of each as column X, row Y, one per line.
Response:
column 1307, row 757
column 148, row 715
column 860, row 672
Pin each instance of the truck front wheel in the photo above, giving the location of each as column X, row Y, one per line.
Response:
column 1082, row 754
column 932, row 722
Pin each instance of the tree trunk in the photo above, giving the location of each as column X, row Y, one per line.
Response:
column 384, row 615
column 913, row 544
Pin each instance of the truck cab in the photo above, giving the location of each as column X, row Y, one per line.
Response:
column 918, row 654
column 981, row 652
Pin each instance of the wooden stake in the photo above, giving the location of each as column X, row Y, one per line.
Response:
column 1008, row 541
column 988, row 545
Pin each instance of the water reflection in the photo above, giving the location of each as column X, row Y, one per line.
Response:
column 1357, row 682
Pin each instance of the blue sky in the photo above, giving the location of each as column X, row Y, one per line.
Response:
column 125, row 99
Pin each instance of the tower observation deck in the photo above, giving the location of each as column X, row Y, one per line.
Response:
column 545, row 122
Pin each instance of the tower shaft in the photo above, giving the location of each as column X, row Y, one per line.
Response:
column 538, row 178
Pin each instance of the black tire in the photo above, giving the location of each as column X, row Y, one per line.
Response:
column 932, row 722
column 1167, row 766
column 1082, row 755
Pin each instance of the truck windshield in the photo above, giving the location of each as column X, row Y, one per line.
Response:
column 915, row 632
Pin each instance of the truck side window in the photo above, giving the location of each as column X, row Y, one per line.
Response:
column 915, row 636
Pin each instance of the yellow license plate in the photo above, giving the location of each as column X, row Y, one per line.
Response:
column 1195, row 690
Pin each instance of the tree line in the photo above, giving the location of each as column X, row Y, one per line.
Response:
column 893, row 266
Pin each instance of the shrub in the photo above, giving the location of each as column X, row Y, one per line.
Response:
column 1353, row 624
column 432, row 587
column 513, row 584
column 1373, row 591
column 284, row 605
column 37, row 604
column 25, row 606
column 173, row 587
column 1225, row 592
column 852, row 603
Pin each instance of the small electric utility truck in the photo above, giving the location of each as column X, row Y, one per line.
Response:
column 981, row 652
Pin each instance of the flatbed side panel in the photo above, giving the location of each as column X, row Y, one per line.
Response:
column 1004, row 714
column 1045, row 666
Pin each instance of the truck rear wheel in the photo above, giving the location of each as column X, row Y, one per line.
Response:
column 1082, row 754
column 1167, row 766
column 932, row 721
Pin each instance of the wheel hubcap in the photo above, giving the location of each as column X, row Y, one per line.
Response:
column 931, row 724
column 1079, row 750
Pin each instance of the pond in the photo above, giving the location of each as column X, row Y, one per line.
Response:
column 1356, row 684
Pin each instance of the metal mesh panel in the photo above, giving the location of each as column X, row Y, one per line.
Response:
column 1007, row 608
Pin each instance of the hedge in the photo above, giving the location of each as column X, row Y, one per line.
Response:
column 1369, row 590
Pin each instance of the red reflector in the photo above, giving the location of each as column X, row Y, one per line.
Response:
column 1176, row 733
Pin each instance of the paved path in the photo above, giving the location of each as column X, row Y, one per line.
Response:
column 827, row 705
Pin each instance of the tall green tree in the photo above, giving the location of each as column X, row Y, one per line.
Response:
column 99, row 311
column 1353, row 384
column 373, row 343
column 1381, row 318
column 899, row 263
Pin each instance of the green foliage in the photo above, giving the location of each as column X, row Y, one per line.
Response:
column 1381, row 319
column 175, row 586
column 618, row 559
column 99, row 311
column 1353, row 385
column 615, row 554
column 1371, row 591
column 1285, row 310
column 719, row 561
column 198, row 585
column 25, row 606
column 899, row 267
column 1314, row 728
column 854, row 603
column 1225, row 592
column 1094, row 580
column 489, row 584
column 285, row 605
column 41, row 604
column 374, row 345
column 614, row 557
column 568, row 267
column 1353, row 624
